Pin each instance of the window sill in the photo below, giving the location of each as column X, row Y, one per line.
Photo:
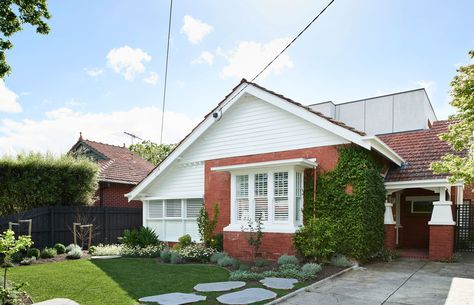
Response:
column 274, row 228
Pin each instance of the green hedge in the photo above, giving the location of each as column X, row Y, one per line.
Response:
column 34, row 180
column 358, row 217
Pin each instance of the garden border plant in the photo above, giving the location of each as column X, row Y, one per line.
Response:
column 349, row 208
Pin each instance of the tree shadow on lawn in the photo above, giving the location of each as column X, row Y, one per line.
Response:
column 146, row 277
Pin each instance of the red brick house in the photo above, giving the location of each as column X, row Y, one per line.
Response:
column 249, row 155
column 120, row 171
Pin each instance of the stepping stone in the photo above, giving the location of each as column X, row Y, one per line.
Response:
column 175, row 298
column 106, row 257
column 219, row 286
column 247, row 296
column 57, row 302
column 278, row 282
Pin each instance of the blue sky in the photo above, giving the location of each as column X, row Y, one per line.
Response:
column 100, row 70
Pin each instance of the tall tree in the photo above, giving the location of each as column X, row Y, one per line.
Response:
column 151, row 151
column 15, row 13
column 460, row 134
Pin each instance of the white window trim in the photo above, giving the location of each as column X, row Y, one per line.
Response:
column 184, row 211
column 413, row 199
column 270, row 225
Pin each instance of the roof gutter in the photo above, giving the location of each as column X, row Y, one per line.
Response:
column 384, row 149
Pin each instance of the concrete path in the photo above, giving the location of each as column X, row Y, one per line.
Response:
column 403, row 282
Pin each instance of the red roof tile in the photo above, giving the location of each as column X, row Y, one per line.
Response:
column 419, row 148
column 121, row 165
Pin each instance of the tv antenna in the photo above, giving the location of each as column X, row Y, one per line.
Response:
column 132, row 136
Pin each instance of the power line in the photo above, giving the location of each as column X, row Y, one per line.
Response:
column 166, row 73
column 282, row 51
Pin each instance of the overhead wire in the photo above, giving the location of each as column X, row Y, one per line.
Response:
column 166, row 73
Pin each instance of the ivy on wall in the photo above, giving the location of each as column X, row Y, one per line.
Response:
column 352, row 198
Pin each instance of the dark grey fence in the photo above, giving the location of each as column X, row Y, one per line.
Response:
column 55, row 224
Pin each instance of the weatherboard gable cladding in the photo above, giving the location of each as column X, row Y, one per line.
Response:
column 251, row 126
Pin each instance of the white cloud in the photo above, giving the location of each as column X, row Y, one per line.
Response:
column 127, row 61
column 8, row 99
column 250, row 57
column 195, row 29
column 63, row 125
column 429, row 85
column 73, row 102
column 93, row 72
column 152, row 78
column 205, row 56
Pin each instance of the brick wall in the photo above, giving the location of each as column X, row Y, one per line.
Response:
column 217, row 184
column 113, row 195
column 441, row 242
column 390, row 237
column 217, row 190
column 273, row 245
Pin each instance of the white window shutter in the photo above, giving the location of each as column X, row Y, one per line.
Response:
column 242, row 197
column 280, row 189
column 173, row 208
column 261, row 197
column 155, row 209
column 193, row 206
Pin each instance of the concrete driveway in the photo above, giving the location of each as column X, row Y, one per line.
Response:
column 402, row 282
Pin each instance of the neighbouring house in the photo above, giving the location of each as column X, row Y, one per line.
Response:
column 250, row 153
column 120, row 171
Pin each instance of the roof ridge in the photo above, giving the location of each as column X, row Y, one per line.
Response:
column 339, row 123
column 97, row 142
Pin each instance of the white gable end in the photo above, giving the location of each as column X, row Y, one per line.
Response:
column 252, row 126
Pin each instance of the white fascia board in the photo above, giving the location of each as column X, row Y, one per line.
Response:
column 307, row 163
column 191, row 138
column 384, row 149
column 432, row 183
column 308, row 116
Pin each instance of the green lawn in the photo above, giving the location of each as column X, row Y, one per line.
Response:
column 117, row 281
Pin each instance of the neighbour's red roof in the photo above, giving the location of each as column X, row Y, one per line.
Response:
column 419, row 148
column 121, row 165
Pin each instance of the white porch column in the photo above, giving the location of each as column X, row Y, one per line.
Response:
column 442, row 213
column 388, row 216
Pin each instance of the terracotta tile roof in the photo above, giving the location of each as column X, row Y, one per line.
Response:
column 419, row 148
column 121, row 165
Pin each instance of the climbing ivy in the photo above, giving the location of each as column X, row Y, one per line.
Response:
column 352, row 196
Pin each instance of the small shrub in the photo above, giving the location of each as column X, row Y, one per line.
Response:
column 105, row 250
column 316, row 239
column 240, row 275
column 17, row 257
column 175, row 258
column 340, row 261
column 206, row 226
column 289, row 271
column 142, row 237
column 48, row 253
column 13, row 294
column 71, row 247
column 60, row 248
column 33, row 252
column 28, row 260
column 287, row 260
column 311, row 268
column 260, row 262
column 244, row 267
column 75, row 253
column 185, row 240
column 165, row 256
column 216, row 256
column 226, row 261
column 386, row 255
column 196, row 253
column 148, row 251
column 217, row 242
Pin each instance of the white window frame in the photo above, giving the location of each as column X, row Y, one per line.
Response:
column 413, row 199
column 269, row 225
column 184, row 210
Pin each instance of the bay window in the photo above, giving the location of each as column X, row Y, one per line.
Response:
column 270, row 191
